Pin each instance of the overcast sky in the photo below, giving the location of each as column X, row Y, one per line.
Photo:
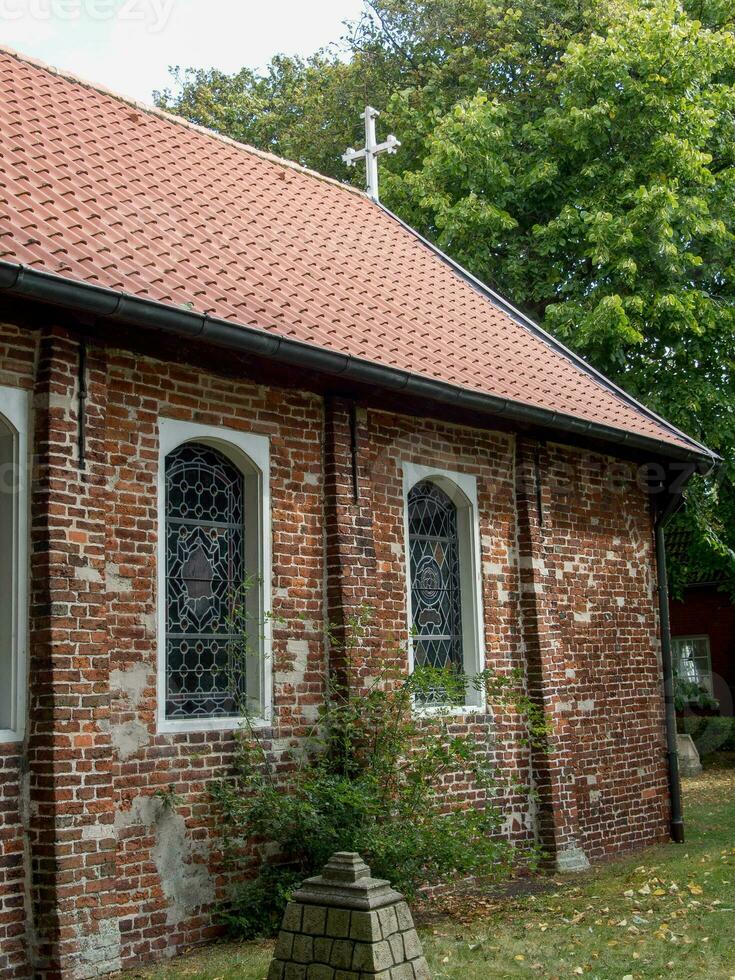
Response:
column 127, row 45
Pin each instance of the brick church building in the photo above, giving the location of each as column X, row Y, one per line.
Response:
column 215, row 364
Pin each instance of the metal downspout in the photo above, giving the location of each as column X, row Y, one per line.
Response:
column 667, row 666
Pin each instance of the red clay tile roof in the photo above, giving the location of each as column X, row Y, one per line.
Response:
column 104, row 191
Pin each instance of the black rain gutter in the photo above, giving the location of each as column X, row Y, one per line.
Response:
column 667, row 669
column 120, row 307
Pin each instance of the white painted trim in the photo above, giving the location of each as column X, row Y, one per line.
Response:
column 462, row 488
column 251, row 453
column 14, row 410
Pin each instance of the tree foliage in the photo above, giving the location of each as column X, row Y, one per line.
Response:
column 577, row 155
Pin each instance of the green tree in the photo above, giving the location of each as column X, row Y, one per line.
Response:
column 577, row 155
column 307, row 110
column 607, row 210
column 433, row 52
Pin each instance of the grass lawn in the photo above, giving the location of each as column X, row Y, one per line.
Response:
column 666, row 912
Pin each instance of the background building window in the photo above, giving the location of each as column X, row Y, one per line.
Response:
column 214, row 577
column 692, row 660
column 13, row 561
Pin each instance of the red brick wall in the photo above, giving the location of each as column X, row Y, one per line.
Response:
column 160, row 906
column 703, row 610
column 12, row 872
column 69, row 753
column 592, row 579
column 116, row 876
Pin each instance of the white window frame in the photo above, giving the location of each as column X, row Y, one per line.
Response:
column 14, row 409
column 249, row 452
column 709, row 686
column 462, row 489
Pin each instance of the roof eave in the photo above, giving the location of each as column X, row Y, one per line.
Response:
column 115, row 306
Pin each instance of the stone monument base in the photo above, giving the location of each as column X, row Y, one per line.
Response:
column 346, row 925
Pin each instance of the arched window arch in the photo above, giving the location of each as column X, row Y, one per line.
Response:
column 443, row 572
column 214, row 555
column 13, row 561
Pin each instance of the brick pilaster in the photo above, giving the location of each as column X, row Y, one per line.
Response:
column 350, row 548
column 558, row 818
column 70, row 829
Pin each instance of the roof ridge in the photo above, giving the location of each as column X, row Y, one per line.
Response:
column 178, row 120
column 543, row 335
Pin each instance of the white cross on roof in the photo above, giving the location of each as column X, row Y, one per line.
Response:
column 371, row 151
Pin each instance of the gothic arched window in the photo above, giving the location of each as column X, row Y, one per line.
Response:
column 444, row 583
column 436, row 594
column 205, row 572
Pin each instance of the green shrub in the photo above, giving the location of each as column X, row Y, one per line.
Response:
column 710, row 734
column 256, row 905
column 688, row 694
column 370, row 777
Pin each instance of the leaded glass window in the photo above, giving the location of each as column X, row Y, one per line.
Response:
column 205, row 568
column 436, row 603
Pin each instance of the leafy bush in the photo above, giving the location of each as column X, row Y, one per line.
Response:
column 710, row 734
column 371, row 777
column 257, row 904
column 688, row 694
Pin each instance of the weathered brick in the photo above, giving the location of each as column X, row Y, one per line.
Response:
column 303, row 949
column 388, row 921
column 323, row 950
column 568, row 572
